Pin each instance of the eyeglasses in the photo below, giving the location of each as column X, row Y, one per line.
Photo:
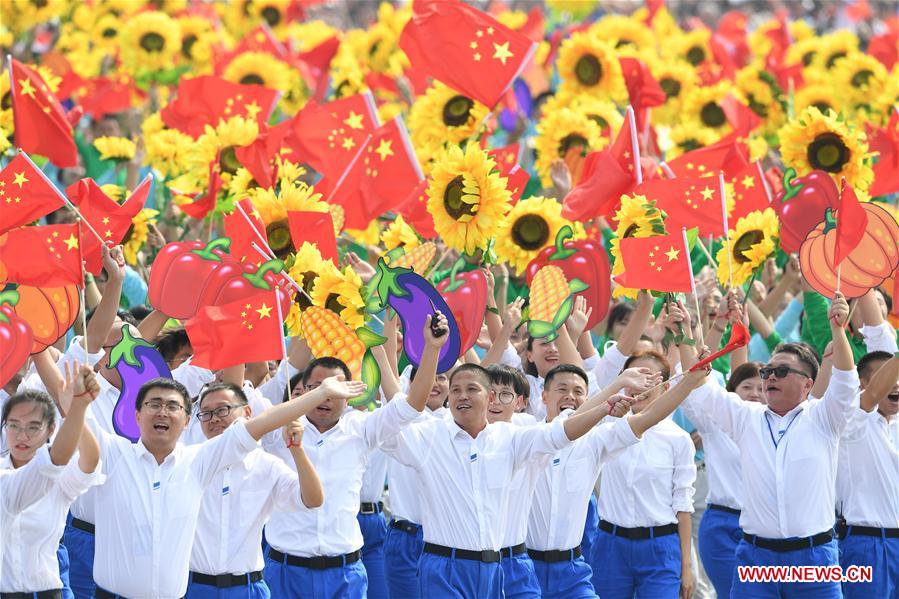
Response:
column 171, row 407
column 219, row 412
column 780, row 372
column 29, row 431
column 505, row 397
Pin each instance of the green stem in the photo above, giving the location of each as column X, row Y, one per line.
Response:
column 10, row 297
column 790, row 190
column 222, row 243
column 257, row 279
column 830, row 222
column 124, row 349
column 454, row 282
column 561, row 253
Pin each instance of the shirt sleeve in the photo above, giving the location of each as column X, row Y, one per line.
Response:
column 842, row 395
column 273, row 389
column 606, row 368
column 684, row 475
column 76, row 351
column 24, row 486
column 730, row 413
column 193, row 377
column 531, row 442
column 225, row 450
column 510, row 357
column 387, row 421
column 881, row 337
column 413, row 445
column 73, row 481
column 610, row 439
column 286, row 488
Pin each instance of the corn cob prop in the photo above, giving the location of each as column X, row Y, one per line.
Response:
column 327, row 335
column 418, row 258
column 551, row 301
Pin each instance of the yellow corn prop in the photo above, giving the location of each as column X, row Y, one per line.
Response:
column 418, row 258
column 327, row 335
column 549, row 289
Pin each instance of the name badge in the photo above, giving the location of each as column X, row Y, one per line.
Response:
column 156, row 485
column 557, row 461
column 473, row 457
column 226, row 490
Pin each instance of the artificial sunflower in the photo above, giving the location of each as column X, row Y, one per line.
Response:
column 751, row 243
column 443, row 116
column 560, row 132
column 30, row 13
column 105, row 32
column 197, row 41
column 513, row 19
column 223, row 140
column 149, row 41
column 259, row 68
column 625, row 33
column 681, row 139
column 273, row 208
column 399, row 233
column 803, row 51
column 528, row 228
column 677, row 79
column 120, row 149
column 168, row 151
column 702, row 107
column 138, row 233
column 467, row 198
column 639, row 218
column 861, row 77
column 883, row 105
column 586, row 64
column 602, row 112
column 340, row 292
column 574, row 9
column 834, row 46
column 693, row 46
column 763, row 96
column 370, row 235
column 304, row 268
column 828, row 143
column 272, row 12
column 306, row 35
column 821, row 95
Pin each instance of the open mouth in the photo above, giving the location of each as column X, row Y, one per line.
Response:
column 463, row 406
column 495, row 410
column 568, row 405
column 894, row 397
column 161, row 427
column 22, row 447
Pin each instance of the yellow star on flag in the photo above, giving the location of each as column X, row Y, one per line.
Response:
column 502, row 52
column 71, row 242
column 264, row 311
column 348, row 143
column 26, row 87
column 748, row 181
column 354, row 121
column 707, row 193
column 20, row 179
column 672, row 254
column 477, row 56
column 384, row 149
column 105, row 220
column 252, row 109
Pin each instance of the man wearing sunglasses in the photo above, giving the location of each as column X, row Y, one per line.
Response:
column 788, row 452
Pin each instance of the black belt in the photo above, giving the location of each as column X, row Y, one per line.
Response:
column 82, row 525
column 54, row 594
column 487, row 556
column 638, row 533
column 316, row 563
column 867, row 531
column 508, row 552
column 367, row 507
column 555, row 556
column 782, row 545
column 723, row 508
column 404, row 525
column 226, row 581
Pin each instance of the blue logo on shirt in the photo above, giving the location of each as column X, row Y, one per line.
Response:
column 226, row 490
column 473, row 457
column 156, row 486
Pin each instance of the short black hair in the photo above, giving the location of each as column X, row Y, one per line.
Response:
column 163, row 383
column 866, row 363
column 477, row 369
column 170, row 341
column 222, row 386
column 749, row 370
column 48, row 408
column 294, row 381
column 564, row 369
column 803, row 353
column 502, row 374
column 140, row 312
column 328, row 362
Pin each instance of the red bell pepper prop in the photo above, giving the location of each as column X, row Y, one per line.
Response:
column 15, row 337
column 236, row 280
column 466, row 295
column 584, row 260
column 802, row 204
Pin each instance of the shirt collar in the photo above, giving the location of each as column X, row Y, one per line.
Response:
column 792, row 412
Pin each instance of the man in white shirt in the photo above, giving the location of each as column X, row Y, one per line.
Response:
column 154, row 487
column 870, row 535
column 226, row 559
column 321, row 549
column 788, row 453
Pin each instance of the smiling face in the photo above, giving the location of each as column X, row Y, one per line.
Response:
column 439, row 391
column 751, row 389
column 328, row 413
column 469, row 396
column 544, row 354
column 566, row 391
column 784, row 394
column 215, row 400
column 888, row 405
column 497, row 410
column 162, row 418
column 26, row 431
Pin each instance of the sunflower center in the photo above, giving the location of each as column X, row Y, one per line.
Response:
column 603, row 124
column 630, row 231
column 109, row 32
column 278, row 234
column 530, row 232
column 828, row 153
column 808, row 57
column 341, row 89
column 302, row 299
column 252, row 79
column 712, row 115
column 757, row 107
column 695, row 55
column 228, row 160
column 40, row 3
column 6, row 101
column 588, row 70
column 573, row 141
column 271, row 15
column 689, row 144
column 622, row 43
column 824, row 107
column 834, row 58
column 373, row 49
column 745, row 242
column 186, row 44
column 332, row 304
column 453, row 203
column 457, row 111
column 861, row 78
column 670, row 86
column 152, row 42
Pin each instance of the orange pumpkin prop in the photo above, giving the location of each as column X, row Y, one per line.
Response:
column 49, row 310
column 867, row 266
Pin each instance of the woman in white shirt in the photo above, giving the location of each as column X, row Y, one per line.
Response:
column 642, row 548
column 31, row 539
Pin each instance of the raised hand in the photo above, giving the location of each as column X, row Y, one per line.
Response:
column 839, row 311
column 334, row 387
column 365, row 270
column 436, row 330
column 113, row 262
column 637, row 380
column 561, row 176
column 513, row 313
column 293, row 434
column 79, row 384
column 580, row 315
column 619, row 405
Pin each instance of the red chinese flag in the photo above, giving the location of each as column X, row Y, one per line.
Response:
column 205, row 203
column 465, row 48
column 642, row 88
column 885, row 48
column 750, row 192
column 658, row 263
column 245, row 228
column 103, row 95
column 41, row 256
column 247, row 330
column 740, row 116
column 730, row 156
column 885, row 142
column 204, row 100
column 415, row 210
column 687, row 202
column 852, row 220
column 25, row 194
column 314, row 228
column 41, row 125
column 384, row 174
column 739, row 336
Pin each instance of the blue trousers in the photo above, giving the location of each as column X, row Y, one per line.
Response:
column 450, row 578
column 565, row 580
column 62, row 557
column 645, row 568
column 345, row 582
column 719, row 535
column 374, row 531
column 591, row 526
column 255, row 590
column 520, row 578
column 80, row 546
column 401, row 554
column 750, row 555
column 882, row 554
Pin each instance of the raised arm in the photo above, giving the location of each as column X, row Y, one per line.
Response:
column 501, row 341
column 104, row 316
column 634, row 380
column 150, row 326
column 76, row 393
column 636, row 326
column 878, row 334
column 390, row 382
column 882, row 383
column 420, row 388
column 831, row 414
column 311, row 492
column 665, row 404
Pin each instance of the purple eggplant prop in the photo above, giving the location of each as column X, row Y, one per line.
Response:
column 413, row 298
column 137, row 362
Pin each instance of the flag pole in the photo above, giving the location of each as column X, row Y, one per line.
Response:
column 82, row 293
column 730, row 265
column 708, row 254
column 768, row 193
column 635, row 144
column 693, row 286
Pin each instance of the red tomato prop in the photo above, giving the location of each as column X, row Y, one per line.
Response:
column 584, row 260
column 15, row 337
column 466, row 295
column 801, row 206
